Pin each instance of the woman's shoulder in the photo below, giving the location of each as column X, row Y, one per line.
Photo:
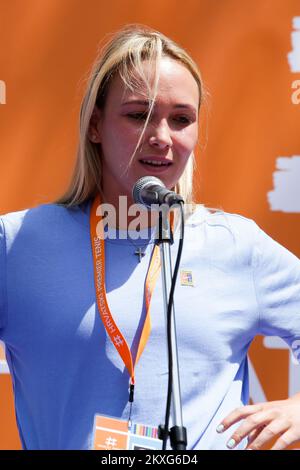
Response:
column 217, row 217
column 15, row 219
column 226, row 231
column 222, row 233
column 41, row 219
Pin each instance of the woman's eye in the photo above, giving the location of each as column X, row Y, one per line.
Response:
column 138, row 116
column 183, row 120
column 142, row 116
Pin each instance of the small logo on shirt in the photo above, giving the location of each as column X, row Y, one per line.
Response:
column 186, row 278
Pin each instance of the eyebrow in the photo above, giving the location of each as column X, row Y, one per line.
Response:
column 146, row 103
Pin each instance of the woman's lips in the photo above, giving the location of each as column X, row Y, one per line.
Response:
column 152, row 168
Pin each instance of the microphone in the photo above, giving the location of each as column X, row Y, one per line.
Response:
column 150, row 190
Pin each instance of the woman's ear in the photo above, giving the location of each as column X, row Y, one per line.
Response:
column 94, row 128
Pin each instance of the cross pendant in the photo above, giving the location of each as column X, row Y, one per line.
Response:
column 139, row 253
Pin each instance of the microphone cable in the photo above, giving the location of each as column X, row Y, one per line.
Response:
column 169, row 342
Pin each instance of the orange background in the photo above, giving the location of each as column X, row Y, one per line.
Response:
column 46, row 49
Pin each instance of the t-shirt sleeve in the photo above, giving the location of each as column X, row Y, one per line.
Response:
column 2, row 277
column 276, row 274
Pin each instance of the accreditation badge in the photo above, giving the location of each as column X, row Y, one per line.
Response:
column 186, row 278
column 116, row 434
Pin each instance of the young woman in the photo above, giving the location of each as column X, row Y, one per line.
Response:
column 74, row 311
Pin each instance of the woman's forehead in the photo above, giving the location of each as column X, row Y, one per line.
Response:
column 174, row 80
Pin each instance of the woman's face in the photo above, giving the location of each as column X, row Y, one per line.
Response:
column 170, row 136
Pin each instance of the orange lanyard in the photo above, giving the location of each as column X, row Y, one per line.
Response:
column 98, row 248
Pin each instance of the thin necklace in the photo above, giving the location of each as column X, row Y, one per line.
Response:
column 138, row 248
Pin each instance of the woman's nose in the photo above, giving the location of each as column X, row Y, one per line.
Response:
column 160, row 135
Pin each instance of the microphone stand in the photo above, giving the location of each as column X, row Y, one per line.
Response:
column 164, row 238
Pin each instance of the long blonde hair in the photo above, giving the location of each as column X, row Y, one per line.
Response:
column 123, row 54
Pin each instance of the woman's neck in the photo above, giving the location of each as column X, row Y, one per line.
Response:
column 124, row 214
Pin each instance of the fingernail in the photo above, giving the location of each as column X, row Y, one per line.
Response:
column 231, row 443
column 220, row 428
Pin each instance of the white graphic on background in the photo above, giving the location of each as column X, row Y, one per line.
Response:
column 294, row 55
column 274, row 342
column 285, row 196
column 3, row 364
column 2, row 92
column 295, row 98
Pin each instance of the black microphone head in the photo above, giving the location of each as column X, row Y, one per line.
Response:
column 141, row 184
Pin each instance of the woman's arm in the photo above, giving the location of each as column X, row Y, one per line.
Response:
column 276, row 277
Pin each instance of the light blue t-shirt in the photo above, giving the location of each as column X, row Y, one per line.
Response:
column 63, row 365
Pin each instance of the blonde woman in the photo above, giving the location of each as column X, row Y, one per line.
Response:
column 73, row 312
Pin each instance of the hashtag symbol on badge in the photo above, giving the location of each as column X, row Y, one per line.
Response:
column 118, row 340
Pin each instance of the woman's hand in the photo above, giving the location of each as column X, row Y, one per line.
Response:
column 265, row 421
